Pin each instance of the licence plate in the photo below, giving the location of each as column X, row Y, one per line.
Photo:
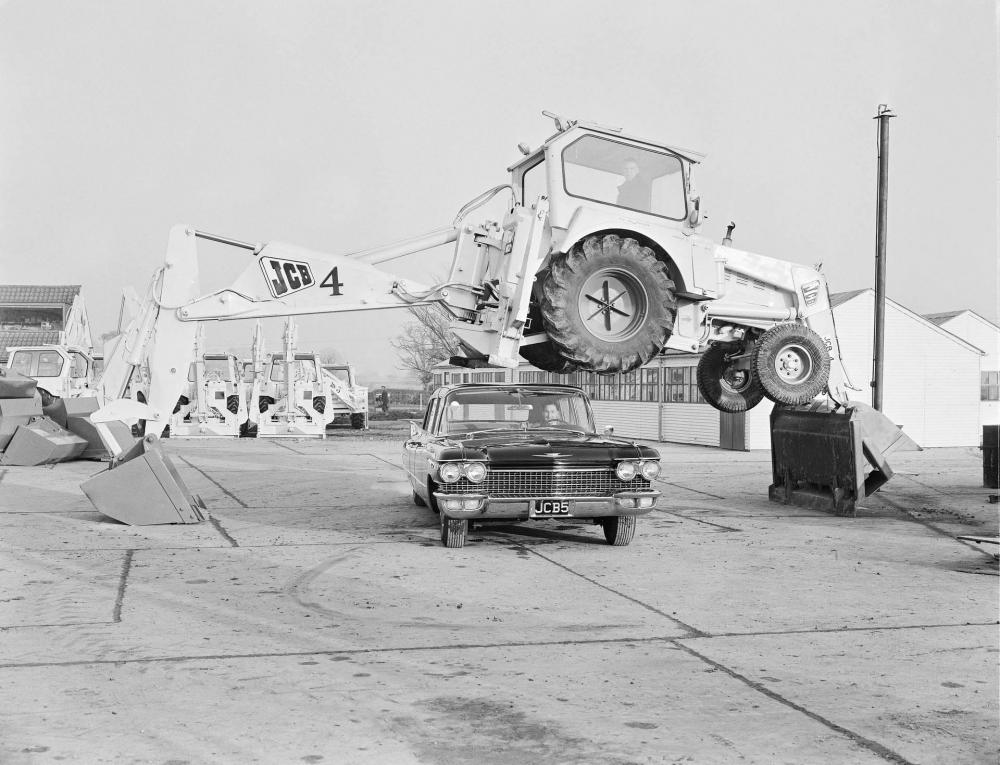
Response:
column 548, row 507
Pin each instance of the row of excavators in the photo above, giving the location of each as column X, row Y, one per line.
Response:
column 286, row 394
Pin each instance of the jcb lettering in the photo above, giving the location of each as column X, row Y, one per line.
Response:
column 286, row 276
column 278, row 286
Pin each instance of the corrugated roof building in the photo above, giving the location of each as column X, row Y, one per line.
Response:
column 42, row 314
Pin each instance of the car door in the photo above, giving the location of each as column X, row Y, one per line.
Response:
column 417, row 443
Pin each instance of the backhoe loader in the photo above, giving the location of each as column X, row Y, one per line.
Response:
column 597, row 265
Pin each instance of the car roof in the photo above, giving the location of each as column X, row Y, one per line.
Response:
column 444, row 389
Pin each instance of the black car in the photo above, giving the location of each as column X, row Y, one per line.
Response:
column 525, row 452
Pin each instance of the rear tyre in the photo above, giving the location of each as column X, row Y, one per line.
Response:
column 792, row 363
column 418, row 500
column 608, row 305
column 619, row 530
column 357, row 421
column 724, row 386
column 233, row 404
column 319, row 404
column 453, row 531
column 264, row 403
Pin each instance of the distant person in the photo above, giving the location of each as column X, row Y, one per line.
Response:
column 637, row 190
column 384, row 400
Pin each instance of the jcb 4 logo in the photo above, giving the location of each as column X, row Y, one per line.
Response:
column 286, row 276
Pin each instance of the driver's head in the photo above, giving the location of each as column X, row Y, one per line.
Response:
column 550, row 412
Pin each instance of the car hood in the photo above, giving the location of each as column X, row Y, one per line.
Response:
column 528, row 449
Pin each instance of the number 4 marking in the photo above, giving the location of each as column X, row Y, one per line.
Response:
column 333, row 281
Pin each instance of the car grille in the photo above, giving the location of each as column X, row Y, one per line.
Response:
column 547, row 483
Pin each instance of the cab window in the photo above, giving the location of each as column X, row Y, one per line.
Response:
column 79, row 368
column 627, row 176
column 533, row 184
column 21, row 362
column 50, row 364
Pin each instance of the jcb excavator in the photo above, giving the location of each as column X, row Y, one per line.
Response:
column 597, row 265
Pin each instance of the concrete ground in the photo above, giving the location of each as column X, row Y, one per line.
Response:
column 315, row 618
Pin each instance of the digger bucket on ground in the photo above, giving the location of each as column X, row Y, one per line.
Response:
column 827, row 459
column 143, row 488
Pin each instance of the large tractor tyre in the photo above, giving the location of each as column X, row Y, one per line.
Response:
column 724, row 386
column 547, row 358
column 609, row 304
column 233, row 404
column 182, row 401
column 619, row 529
column 453, row 531
column 319, row 404
column 264, row 403
column 792, row 363
column 357, row 420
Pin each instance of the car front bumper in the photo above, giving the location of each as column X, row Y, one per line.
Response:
column 524, row 508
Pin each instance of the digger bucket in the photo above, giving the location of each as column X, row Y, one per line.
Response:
column 143, row 488
column 827, row 459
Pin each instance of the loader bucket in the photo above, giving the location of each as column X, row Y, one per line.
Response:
column 41, row 442
column 828, row 459
column 142, row 487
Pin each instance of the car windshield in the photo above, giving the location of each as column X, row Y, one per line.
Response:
column 473, row 410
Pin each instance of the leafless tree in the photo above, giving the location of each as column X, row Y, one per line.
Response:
column 425, row 341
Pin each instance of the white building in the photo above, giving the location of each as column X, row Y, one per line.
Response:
column 985, row 335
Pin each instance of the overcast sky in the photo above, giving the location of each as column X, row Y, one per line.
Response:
column 339, row 126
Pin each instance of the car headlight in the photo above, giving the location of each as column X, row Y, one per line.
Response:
column 450, row 472
column 475, row 472
column 626, row 470
column 650, row 470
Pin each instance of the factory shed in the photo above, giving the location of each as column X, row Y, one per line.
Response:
column 985, row 335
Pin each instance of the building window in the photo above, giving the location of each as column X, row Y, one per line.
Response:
column 649, row 385
column 680, row 386
column 989, row 386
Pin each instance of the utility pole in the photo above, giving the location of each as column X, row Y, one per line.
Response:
column 881, row 216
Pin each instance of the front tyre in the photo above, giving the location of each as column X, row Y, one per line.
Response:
column 619, row 530
column 723, row 385
column 792, row 363
column 453, row 531
column 608, row 304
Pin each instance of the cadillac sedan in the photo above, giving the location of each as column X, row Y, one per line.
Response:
column 525, row 453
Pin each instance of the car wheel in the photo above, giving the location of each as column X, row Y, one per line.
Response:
column 619, row 530
column 453, row 531
column 431, row 502
column 726, row 388
column 793, row 364
column 608, row 304
column 418, row 500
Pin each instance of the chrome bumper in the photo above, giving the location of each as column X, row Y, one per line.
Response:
column 521, row 508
